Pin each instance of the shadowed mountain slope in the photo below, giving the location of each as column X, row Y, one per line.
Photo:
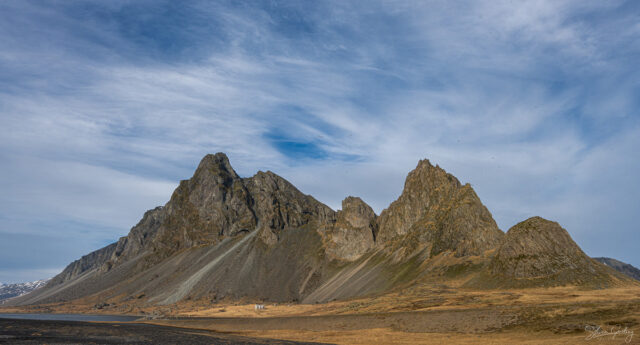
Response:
column 621, row 267
column 260, row 238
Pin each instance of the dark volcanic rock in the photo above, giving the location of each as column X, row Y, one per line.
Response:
column 621, row 267
column 436, row 212
column 212, row 204
column 279, row 206
column 353, row 232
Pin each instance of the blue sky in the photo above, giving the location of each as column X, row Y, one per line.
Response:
column 106, row 105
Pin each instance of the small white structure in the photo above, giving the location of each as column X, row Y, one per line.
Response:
column 258, row 307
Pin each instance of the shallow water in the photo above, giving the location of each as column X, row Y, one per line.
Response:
column 70, row 317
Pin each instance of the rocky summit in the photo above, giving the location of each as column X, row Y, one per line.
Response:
column 539, row 252
column 260, row 238
column 437, row 213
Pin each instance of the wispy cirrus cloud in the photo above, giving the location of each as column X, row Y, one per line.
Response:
column 105, row 106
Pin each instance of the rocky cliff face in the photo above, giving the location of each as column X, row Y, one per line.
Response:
column 259, row 237
column 279, row 206
column 213, row 204
column 437, row 213
column 92, row 261
column 353, row 233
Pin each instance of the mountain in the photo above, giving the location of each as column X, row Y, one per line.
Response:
column 14, row 290
column 260, row 238
column 621, row 267
column 539, row 252
column 436, row 212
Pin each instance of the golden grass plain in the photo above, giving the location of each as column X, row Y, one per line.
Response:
column 422, row 314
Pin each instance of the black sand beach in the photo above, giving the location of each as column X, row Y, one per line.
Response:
column 14, row 331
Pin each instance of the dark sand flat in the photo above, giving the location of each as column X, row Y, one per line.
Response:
column 14, row 331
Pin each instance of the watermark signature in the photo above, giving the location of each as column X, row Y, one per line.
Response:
column 597, row 332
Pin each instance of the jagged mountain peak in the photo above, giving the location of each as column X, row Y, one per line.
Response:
column 426, row 173
column 356, row 206
column 279, row 206
column 215, row 166
column 435, row 212
column 272, row 181
column 215, row 158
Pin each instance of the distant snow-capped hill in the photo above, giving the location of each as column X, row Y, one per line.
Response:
column 13, row 290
